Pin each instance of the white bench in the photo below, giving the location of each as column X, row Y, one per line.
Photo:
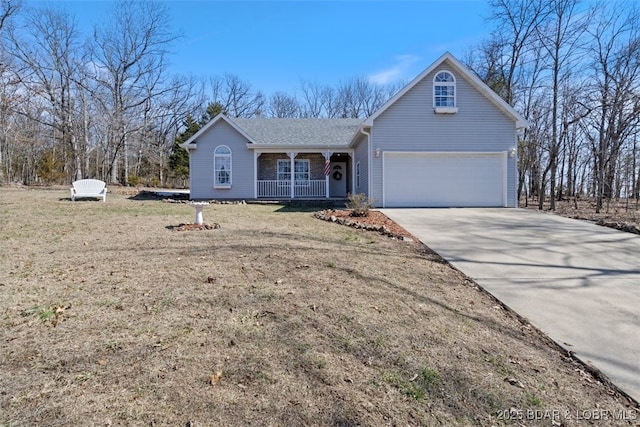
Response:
column 89, row 188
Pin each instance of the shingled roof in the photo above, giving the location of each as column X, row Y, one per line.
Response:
column 275, row 131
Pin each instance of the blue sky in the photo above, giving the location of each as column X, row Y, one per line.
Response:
column 275, row 44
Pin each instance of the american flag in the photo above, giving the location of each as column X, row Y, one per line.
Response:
column 327, row 167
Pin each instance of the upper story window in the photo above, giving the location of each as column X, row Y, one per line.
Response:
column 222, row 167
column 444, row 93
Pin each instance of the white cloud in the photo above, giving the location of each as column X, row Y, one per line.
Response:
column 396, row 72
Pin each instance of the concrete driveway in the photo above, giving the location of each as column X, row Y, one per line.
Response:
column 576, row 281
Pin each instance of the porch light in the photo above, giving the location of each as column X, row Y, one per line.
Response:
column 512, row 152
column 378, row 152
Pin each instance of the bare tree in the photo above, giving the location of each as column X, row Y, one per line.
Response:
column 185, row 98
column 236, row 96
column 572, row 140
column 571, row 115
column 561, row 40
column 47, row 66
column 358, row 97
column 12, row 97
column 512, row 42
column 31, row 142
column 130, row 53
column 8, row 9
column 331, row 102
column 615, row 92
column 511, row 63
column 313, row 99
column 283, row 105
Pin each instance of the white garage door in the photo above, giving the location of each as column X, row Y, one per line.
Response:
column 444, row 179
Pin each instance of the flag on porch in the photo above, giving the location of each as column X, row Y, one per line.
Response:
column 327, row 167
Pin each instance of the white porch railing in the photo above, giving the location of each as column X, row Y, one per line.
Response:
column 282, row 189
column 315, row 188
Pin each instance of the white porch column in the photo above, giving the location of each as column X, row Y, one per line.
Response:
column 255, row 174
column 292, row 156
column 327, row 157
column 352, row 165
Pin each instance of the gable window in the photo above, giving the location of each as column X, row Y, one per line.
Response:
column 301, row 172
column 222, row 167
column 444, row 93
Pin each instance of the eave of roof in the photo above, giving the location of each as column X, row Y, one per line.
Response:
column 287, row 133
column 191, row 144
column 299, row 147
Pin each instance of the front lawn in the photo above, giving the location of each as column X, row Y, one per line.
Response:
column 110, row 317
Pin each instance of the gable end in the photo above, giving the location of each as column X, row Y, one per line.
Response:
column 449, row 62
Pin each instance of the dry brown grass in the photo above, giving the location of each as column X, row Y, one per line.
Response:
column 277, row 318
column 626, row 211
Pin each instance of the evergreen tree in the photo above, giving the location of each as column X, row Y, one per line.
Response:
column 179, row 158
column 213, row 109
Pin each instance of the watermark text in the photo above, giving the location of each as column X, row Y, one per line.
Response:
column 597, row 414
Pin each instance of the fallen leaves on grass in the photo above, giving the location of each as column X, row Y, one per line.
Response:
column 215, row 378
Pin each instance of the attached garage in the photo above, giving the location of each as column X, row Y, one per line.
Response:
column 444, row 179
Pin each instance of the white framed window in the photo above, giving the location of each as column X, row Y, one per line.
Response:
column 222, row 167
column 301, row 172
column 284, row 172
column 444, row 93
column 358, row 175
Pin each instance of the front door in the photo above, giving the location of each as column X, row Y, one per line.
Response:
column 338, row 179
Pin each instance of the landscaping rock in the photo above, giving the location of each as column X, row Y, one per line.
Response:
column 374, row 221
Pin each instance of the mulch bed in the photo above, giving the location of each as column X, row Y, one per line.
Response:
column 193, row 227
column 374, row 221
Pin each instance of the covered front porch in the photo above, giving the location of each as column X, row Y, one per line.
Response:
column 303, row 174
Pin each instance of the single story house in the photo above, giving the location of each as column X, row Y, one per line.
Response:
column 444, row 140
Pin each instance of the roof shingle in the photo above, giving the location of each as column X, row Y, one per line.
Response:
column 288, row 131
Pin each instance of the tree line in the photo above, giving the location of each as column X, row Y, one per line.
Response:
column 572, row 69
column 105, row 105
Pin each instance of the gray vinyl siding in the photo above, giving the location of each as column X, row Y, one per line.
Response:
column 201, row 165
column 410, row 124
column 361, row 154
